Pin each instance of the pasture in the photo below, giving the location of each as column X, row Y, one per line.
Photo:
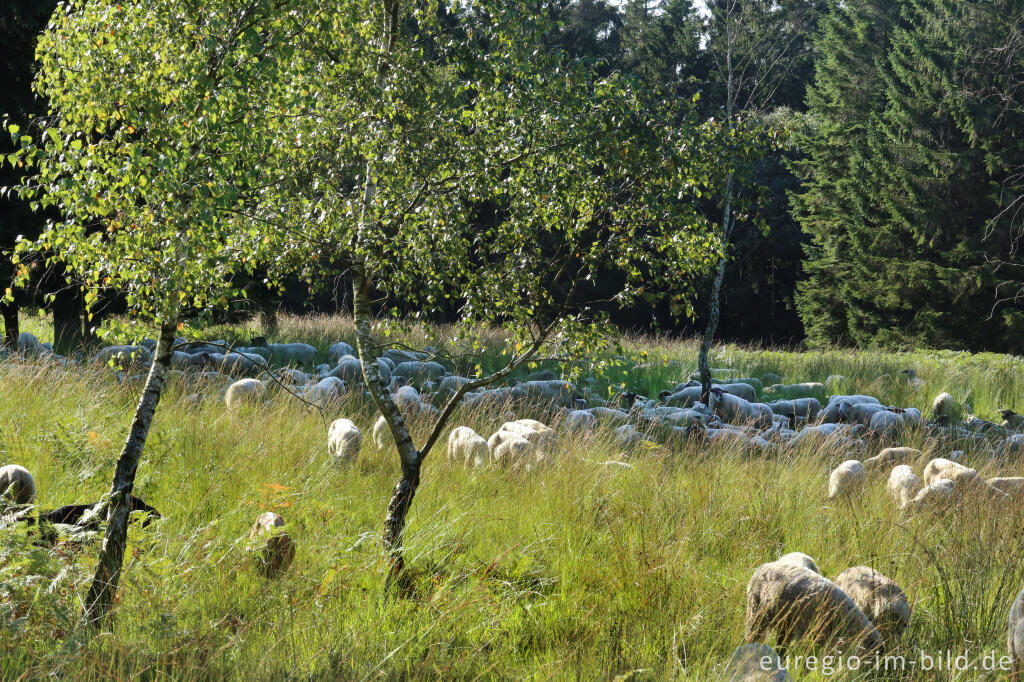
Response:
column 577, row 569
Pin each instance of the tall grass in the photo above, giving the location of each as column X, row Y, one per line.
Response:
column 577, row 570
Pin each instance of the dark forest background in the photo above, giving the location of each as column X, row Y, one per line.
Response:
column 894, row 208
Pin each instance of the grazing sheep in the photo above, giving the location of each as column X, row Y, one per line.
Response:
column 946, row 407
column 245, row 391
column 938, row 494
column 810, row 389
column 241, row 363
column 965, row 478
column 350, row 370
column 337, row 350
column 396, row 356
column 550, row 393
column 382, row 437
column 892, row 456
column 807, row 408
column 417, row 371
column 847, row 479
column 467, row 447
column 1012, row 420
column 754, row 382
column 903, row 485
column 344, row 440
column 683, row 397
column 799, row 559
column 627, row 437
column 609, row 415
column 859, row 413
column 771, row 379
column 448, row 386
column 254, row 350
column 879, row 597
column 1014, row 445
column 540, row 436
column 1011, row 485
column 496, row 398
column 292, row 354
column 732, row 408
column 580, row 421
column 124, row 356
column 17, row 484
column 513, row 452
column 407, row 399
column 278, row 550
column 755, row 662
column 885, row 423
column 1015, row 634
column 796, row 602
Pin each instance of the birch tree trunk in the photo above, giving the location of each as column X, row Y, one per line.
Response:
column 100, row 598
column 405, row 490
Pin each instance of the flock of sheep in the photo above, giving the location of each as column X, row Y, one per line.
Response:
column 789, row 596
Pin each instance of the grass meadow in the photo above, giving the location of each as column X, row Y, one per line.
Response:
column 578, row 570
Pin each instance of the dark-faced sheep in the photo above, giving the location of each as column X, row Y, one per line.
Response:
column 879, row 597
column 796, row 603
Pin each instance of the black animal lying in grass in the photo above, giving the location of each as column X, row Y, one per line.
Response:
column 71, row 514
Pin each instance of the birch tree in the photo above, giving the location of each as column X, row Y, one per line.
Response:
column 414, row 123
column 152, row 142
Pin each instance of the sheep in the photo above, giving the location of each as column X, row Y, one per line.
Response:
column 580, row 421
column 940, row 493
column 254, row 350
column 397, row 356
column 278, row 550
column 513, row 452
column 292, row 377
column 892, row 455
column 755, row 662
column 407, row 400
column 879, row 597
column 684, row 397
column 550, row 393
column 885, row 423
column 846, row 479
column 807, row 408
column 1013, row 445
column 627, row 437
column 799, row 559
column 796, row 602
column 292, row 354
column 1015, row 635
column 350, row 370
column 808, row 389
column 609, row 415
column 859, row 413
column 28, row 344
column 242, row 363
column 448, row 386
column 344, row 440
column 17, row 484
column 963, row 477
column 903, row 485
column 1012, row 420
column 467, row 447
column 833, row 380
column 738, row 389
column 495, row 398
column 946, row 408
column 337, row 350
column 1011, row 485
column 770, row 379
column 124, row 356
column 245, row 391
column 324, row 391
column 732, row 408
column 417, row 371
column 540, row 436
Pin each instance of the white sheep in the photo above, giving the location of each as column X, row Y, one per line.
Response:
column 28, row 344
column 467, row 448
column 555, row 393
column 879, row 597
column 580, row 421
column 946, row 406
column 513, row 452
column 344, row 440
column 939, row 494
column 1015, row 635
column 755, row 662
column 17, row 484
column 245, row 391
column 292, row 354
column 892, row 456
column 337, row 350
column 964, row 478
column 903, row 485
column 799, row 559
column 124, row 356
column 734, row 409
column 1011, row 485
column 796, row 602
column 885, row 423
column 419, row 371
column 847, row 479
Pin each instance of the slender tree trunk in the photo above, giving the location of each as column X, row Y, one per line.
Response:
column 101, row 595
column 405, row 490
column 714, row 309
column 9, row 311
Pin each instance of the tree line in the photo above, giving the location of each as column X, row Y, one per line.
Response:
column 889, row 216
